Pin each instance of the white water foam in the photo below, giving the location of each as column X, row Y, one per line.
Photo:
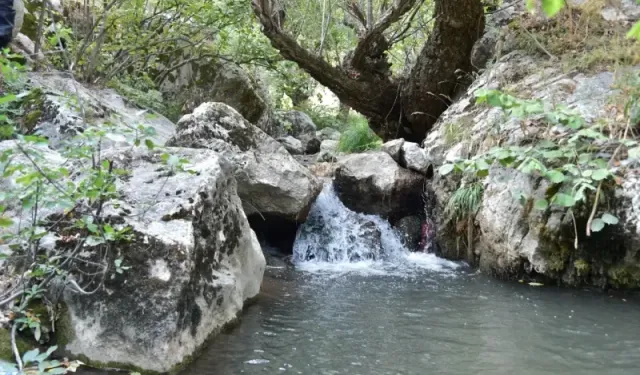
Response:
column 336, row 240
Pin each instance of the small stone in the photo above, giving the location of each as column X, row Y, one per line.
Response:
column 394, row 148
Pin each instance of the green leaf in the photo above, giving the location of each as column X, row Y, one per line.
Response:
column 541, row 204
column 600, row 174
column 634, row 153
column 552, row 7
column 564, row 200
column 445, row 169
column 597, row 225
column 482, row 164
column 35, row 139
column 634, row 33
column 30, row 356
column 555, row 176
column 7, row 98
column 610, row 219
column 149, row 144
column 5, row 222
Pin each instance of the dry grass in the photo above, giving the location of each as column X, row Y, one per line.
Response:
column 579, row 38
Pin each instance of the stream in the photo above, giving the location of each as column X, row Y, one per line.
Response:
column 357, row 302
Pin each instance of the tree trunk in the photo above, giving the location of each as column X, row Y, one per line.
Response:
column 445, row 58
column 407, row 107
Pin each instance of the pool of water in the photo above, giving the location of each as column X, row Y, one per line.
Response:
column 438, row 318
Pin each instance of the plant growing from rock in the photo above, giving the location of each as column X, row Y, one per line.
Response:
column 576, row 159
column 54, row 221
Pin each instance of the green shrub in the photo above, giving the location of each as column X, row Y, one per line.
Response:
column 358, row 137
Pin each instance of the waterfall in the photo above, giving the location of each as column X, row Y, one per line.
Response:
column 335, row 237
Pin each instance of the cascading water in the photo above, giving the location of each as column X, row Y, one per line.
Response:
column 336, row 238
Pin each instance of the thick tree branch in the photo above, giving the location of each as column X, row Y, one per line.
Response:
column 367, row 97
column 372, row 43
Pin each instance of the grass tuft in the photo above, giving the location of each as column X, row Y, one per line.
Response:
column 358, row 137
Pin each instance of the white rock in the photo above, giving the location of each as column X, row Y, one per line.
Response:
column 415, row 158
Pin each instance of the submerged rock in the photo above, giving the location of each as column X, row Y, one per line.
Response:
column 193, row 262
column 374, row 183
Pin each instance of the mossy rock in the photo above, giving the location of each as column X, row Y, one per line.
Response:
column 6, row 353
column 624, row 276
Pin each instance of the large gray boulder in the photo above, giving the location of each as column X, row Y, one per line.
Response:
column 270, row 181
column 192, row 262
column 374, row 183
column 205, row 81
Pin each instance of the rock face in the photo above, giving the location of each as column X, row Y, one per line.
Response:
column 510, row 239
column 374, row 183
column 194, row 262
column 410, row 228
column 57, row 113
column 270, row 181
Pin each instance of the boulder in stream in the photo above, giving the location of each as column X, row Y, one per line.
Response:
column 194, row 262
column 374, row 183
column 276, row 191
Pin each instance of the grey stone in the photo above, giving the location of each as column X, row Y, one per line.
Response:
column 394, row 149
column 328, row 134
column 328, row 152
column 415, row 158
column 270, row 180
column 296, row 123
column 310, row 143
column 374, row 183
column 194, row 262
column 69, row 108
column 293, row 145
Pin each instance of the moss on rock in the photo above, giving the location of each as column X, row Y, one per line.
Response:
column 6, row 353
